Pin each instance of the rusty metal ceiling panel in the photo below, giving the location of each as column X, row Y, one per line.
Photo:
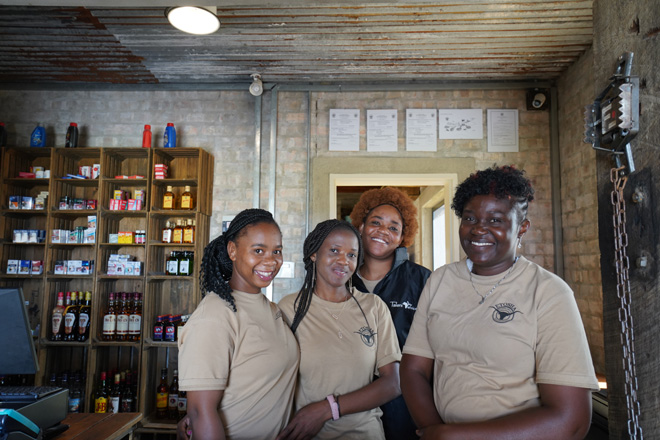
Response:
column 314, row 42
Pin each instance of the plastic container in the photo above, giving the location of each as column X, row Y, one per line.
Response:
column 38, row 138
column 146, row 137
column 169, row 139
column 71, row 136
column 3, row 135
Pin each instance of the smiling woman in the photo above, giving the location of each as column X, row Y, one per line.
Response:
column 237, row 357
column 512, row 362
column 344, row 336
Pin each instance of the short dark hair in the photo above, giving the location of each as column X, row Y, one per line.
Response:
column 502, row 182
column 313, row 243
column 217, row 267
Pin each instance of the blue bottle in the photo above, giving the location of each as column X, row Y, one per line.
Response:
column 38, row 138
column 170, row 136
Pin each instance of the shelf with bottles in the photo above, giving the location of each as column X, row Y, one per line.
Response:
column 67, row 370
column 119, row 321
column 158, row 367
column 191, row 167
column 68, row 312
column 174, row 301
column 116, row 370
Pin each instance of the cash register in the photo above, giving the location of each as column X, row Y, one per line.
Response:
column 26, row 412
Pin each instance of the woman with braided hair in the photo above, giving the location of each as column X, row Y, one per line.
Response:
column 387, row 221
column 237, row 357
column 346, row 337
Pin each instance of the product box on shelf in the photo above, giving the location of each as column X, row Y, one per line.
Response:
column 27, row 202
column 12, row 266
column 60, row 267
column 37, row 267
column 14, row 202
column 24, row 267
column 90, row 235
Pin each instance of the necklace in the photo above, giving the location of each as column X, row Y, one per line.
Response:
column 336, row 316
column 492, row 289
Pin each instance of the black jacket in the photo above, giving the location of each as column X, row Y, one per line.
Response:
column 400, row 289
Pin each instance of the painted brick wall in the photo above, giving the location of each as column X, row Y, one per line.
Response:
column 579, row 195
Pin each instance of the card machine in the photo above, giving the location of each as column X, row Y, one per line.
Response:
column 15, row 426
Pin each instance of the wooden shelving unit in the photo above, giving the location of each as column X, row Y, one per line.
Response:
column 161, row 293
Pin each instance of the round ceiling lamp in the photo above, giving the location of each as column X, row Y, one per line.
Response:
column 196, row 20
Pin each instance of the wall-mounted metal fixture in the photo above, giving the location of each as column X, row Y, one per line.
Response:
column 198, row 20
column 538, row 99
column 257, row 87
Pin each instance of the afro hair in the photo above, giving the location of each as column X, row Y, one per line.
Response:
column 502, row 182
column 388, row 196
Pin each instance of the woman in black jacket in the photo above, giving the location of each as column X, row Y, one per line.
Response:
column 387, row 221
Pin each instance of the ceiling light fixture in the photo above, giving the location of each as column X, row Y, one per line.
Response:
column 257, row 87
column 198, row 20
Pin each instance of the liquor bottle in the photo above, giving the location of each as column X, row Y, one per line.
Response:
column 172, row 264
column 83, row 318
column 185, row 266
column 75, row 396
column 71, row 319
column 189, row 232
column 115, row 395
column 167, row 233
column 177, row 232
column 161, row 395
column 182, row 405
column 173, row 398
column 135, row 318
column 187, row 200
column 57, row 318
column 110, row 319
column 101, row 397
column 126, row 404
column 122, row 318
column 169, row 329
column 159, row 328
column 169, row 198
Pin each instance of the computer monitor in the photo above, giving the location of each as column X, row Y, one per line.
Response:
column 16, row 344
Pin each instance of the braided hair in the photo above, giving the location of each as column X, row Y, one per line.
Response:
column 217, row 267
column 312, row 244
column 503, row 182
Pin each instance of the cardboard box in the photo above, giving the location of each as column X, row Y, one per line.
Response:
column 74, row 267
column 37, row 267
column 24, row 267
column 15, row 202
column 60, row 267
column 86, row 267
column 90, row 235
column 27, row 202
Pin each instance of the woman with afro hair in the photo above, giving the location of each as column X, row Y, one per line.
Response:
column 497, row 349
column 387, row 221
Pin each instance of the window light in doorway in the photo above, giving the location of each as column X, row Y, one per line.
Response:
column 194, row 19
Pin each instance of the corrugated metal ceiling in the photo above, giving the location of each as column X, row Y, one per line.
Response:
column 307, row 42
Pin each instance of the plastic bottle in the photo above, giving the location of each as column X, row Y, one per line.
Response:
column 38, row 138
column 170, row 136
column 146, row 137
column 71, row 136
column 3, row 135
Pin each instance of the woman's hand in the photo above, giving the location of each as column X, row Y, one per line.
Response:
column 307, row 422
column 183, row 431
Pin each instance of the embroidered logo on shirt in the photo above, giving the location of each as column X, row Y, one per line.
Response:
column 504, row 312
column 405, row 305
column 368, row 336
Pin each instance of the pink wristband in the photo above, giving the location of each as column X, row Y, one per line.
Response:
column 334, row 407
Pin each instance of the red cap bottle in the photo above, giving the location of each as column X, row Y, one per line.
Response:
column 146, row 137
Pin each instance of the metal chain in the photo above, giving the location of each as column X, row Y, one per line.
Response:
column 619, row 180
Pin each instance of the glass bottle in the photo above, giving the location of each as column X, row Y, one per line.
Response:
column 167, row 233
column 169, row 198
column 83, row 318
column 126, row 394
column 177, row 232
column 185, row 268
column 115, row 395
column 135, row 318
column 159, row 328
column 172, row 264
column 169, row 329
column 187, row 200
column 173, row 397
column 110, row 319
column 182, row 404
column 75, row 396
column 161, row 395
column 122, row 318
column 57, row 318
column 101, row 397
column 71, row 318
column 189, row 232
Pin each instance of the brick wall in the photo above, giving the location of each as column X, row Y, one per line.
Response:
column 222, row 122
column 579, row 196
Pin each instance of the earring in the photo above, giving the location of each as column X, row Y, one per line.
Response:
column 313, row 273
column 520, row 242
